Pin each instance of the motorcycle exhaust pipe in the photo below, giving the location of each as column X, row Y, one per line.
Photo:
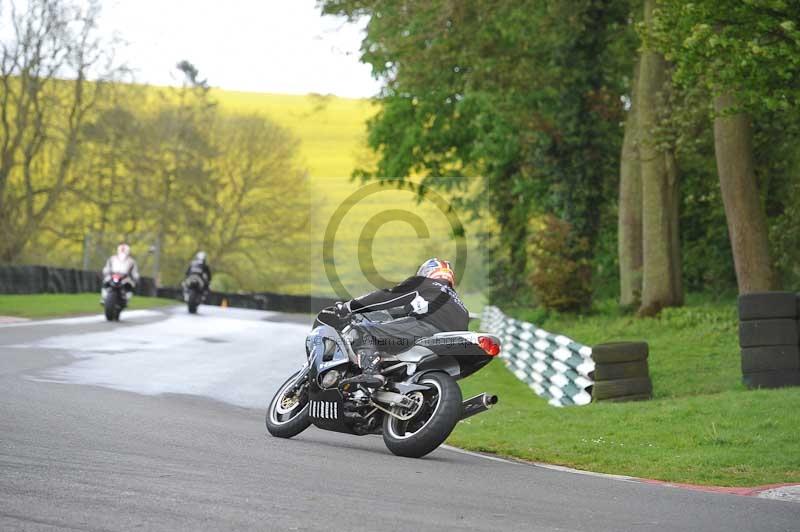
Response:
column 476, row 405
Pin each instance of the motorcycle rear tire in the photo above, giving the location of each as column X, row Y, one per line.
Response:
column 193, row 303
column 439, row 426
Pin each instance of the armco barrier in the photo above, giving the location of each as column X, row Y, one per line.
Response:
column 47, row 279
column 258, row 300
column 554, row 366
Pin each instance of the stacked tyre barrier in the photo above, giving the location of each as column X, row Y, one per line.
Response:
column 769, row 338
column 555, row 367
column 621, row 372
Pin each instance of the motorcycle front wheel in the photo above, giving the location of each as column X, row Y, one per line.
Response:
column 193, row 303
column 287, row 415
column 439, row 409
column 111, row 306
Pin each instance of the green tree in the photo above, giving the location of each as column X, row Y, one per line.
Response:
column 525, row 94
column 747, row 55
column 252, row 214
column 52, row 47
column 178, row 136
column 629, row 225
column 159, row 163
column 661, row 264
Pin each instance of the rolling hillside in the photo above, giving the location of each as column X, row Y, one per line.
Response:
column 332, row 134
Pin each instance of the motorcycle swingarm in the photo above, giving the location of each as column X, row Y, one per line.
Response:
column 407, row 387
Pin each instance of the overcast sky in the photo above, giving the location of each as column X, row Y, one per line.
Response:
column 279, row 46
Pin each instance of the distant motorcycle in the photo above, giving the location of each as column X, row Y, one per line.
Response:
column 117, row 287
column 194, row 289
column 415, row 410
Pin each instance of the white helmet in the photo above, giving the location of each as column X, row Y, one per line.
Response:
column 123, row 251
column 201, row 256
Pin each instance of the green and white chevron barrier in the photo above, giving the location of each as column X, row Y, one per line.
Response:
column 554, row 366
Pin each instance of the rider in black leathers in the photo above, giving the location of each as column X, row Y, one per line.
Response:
column 199, row 266
column 423, row 305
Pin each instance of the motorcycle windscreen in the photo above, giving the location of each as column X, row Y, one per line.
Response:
column 328, row 317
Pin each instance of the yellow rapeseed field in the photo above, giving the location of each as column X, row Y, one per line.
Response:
column 332, row 135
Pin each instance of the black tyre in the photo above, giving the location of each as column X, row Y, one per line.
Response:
column 111, row 306
column 768, row 305
column 621, row 387
column 755, row 333
column 771, row 379
column 615, row 352
column 440, row 410
column 193, row 303
column 287, row 415
column 779, row 357
column 621, row 370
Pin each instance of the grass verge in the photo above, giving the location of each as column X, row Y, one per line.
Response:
column 702, row 426
column 52, row 305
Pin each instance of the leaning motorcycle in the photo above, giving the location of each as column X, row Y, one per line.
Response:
column 415, row 410
column 193, row 292
column 116, row 288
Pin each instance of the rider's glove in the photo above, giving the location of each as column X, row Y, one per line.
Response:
column 342, row 310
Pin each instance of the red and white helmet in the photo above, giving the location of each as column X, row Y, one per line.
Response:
column 438, row 269
column 123, row 251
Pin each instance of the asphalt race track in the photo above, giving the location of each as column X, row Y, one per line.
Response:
column 157, row 423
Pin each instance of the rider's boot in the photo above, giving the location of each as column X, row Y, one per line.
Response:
column 370, row 371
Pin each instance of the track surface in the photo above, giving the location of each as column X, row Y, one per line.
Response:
column 156, row 423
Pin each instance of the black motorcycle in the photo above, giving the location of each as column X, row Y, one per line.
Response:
column 415, row 410
column 117, row 286
column 194, row 289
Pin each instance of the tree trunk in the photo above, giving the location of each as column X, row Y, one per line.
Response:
column 660, row 268
column 629, row 237
column 673, row 190
column 10, row 250
column 747, row 224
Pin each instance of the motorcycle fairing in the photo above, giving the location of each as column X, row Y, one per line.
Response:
column 316, row 346
column 456, row 353
column 326, row 410
column 326, row 405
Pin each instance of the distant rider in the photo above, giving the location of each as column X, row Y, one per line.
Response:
column 423, row 305
column 122, row 264
column 199, row 267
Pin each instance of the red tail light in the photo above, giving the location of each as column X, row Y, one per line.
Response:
column 491, row 347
